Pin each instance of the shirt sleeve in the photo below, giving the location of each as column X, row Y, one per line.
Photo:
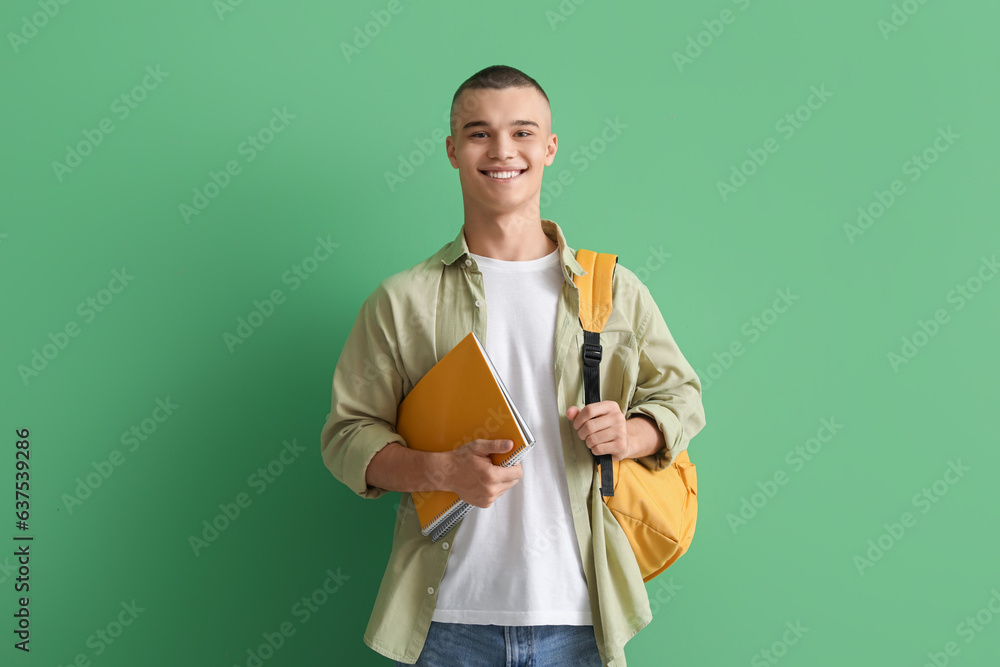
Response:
column 367, row 389
column 667, row 388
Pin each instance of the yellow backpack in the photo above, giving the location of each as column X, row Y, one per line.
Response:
column 656, row 510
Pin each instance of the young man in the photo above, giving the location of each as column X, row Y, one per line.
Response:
column 542, row 573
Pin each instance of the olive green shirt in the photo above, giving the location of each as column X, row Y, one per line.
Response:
column 415, row 317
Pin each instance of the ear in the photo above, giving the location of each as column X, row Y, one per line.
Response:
column 449, row 145
column 550, row 149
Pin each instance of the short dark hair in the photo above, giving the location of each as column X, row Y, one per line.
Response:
column 496, row 77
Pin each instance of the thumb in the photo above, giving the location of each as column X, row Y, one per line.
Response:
column 487, row 446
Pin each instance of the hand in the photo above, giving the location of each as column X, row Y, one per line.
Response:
column 472, row 474
column 602, row 426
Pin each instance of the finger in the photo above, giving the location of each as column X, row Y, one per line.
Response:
column 603, row 448
column 592, row 410
column 493, row 472
column 510, row 474
column 602, row 439
column 597, row 424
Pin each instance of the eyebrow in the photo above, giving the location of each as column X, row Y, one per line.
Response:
column 483, row 123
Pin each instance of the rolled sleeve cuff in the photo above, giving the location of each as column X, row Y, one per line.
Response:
column 356, row 457
column 669, row 425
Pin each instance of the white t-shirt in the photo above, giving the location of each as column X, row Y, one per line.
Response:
column 527, row 533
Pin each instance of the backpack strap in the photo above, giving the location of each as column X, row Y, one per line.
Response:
column 595, row 308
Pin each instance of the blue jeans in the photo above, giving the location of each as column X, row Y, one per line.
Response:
column 464, row 645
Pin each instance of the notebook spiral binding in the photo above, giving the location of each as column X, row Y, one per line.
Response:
column 440, row 531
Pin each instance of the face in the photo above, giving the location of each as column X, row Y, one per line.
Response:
column 502, row 140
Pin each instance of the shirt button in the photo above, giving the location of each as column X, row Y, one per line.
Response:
column 430, row 590
column 478, row 303
column 468, row 262
column 444, row 546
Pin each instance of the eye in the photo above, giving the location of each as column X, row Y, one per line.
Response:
column 520, row 132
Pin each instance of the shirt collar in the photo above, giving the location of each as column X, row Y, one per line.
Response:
column 459, row 249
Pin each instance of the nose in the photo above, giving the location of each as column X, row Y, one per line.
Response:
column 502, row 147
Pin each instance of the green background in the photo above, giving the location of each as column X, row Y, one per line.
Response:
column 653, row 190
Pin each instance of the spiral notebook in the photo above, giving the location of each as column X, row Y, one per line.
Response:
column 461, row 398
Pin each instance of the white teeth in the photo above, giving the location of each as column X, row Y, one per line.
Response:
column 502, row 175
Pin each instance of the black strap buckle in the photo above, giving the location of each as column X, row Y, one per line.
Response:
column 591, row 354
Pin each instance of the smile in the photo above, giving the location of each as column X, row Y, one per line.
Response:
column 504, row 176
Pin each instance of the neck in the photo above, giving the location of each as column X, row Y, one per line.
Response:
column 514, row 236
column 510, row 240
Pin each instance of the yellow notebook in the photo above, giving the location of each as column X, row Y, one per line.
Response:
column 461, row 398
